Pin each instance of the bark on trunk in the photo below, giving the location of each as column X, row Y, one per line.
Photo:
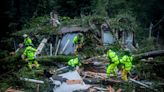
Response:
column 149, row 54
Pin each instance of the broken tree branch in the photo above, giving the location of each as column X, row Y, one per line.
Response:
column 142, row 84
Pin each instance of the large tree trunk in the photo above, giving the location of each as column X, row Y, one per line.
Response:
column 149, row 54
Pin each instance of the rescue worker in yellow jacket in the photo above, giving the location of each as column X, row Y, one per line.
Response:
column 114, row 61
column 29, row 53
column 78, row 40
column 126, row 60
column 73, row 63
column 27, row 40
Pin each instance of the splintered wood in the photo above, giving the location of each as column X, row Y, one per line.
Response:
column 69, row 82
column 95, row 75
column 101, row 76
column 10, row 89
column 41, row 45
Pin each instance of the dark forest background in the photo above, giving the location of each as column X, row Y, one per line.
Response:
column 16, row 13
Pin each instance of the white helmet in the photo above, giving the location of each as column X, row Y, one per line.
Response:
column 25, row 35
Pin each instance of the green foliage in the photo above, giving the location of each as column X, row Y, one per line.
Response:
column 73, row 8
column 37, row 21
column 37, row 26
column 100, row 7
column 124, row 22
column 59, row 58
column 3, row 86
column 148, row 45
column 3, row 53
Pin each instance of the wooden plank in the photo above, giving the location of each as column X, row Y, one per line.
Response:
column 41, row 45
column 57, row 47
column 32, row 80
column 150, row 30
column 50, row 49
column 65, row 46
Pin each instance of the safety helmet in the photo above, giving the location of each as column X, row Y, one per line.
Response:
column 25, row 35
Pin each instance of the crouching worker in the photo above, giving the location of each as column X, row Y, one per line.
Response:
column 29, row 55
column 126, row 60
column 74, row 63
column 114, row 61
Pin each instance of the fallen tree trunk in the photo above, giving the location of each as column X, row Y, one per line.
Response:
column 149, row 54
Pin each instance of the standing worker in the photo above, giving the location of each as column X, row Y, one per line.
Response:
column 126, row 60
column 27, row 40
column 114, row 61
column 29, row 53
column 78, row 41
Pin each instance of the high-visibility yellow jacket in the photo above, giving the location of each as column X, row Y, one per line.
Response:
column 74, row 62
column 30, row 52
column 78, row 39
column 112, row 56
column 75, row 40
column 127, row 61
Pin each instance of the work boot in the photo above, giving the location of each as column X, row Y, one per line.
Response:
column 124, row 75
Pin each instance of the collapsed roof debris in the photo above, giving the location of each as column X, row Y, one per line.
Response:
column 72, row 82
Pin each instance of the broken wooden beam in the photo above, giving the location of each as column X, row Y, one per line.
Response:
column 60, row 69
column 57, row 47
column 142, row 84
column 50, row 49
column 41, row 45
column 32, row 80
